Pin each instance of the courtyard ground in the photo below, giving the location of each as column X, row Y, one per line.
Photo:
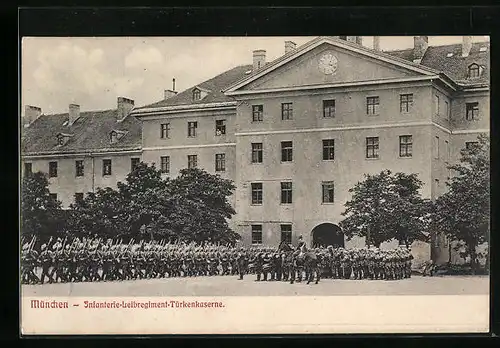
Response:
column 231, row 286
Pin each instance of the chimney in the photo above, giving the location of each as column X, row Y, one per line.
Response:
column 259, row 59
column 466, row 45
column 31, row 113
column 420, row 44
column 169, row 94
column 125, row 105
column 356, row 39
column 290, row 46
column 376, row 43
column 74, row 113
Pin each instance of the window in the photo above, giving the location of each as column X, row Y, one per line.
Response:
column 405, row 146
column 220, row 162
column 192, row 161
column 60, row 140
column 472, row 111
column 192, row 129
column 196, row 94
column 53, row 196
column 286, row 111
column 133, row 163
column 28, row 169
column 436, row 104
column 257, row 113
column 257, row 152
column 79, row 168
column 436, row 184
column 106, row 167
column 405, row 102
column 470, row 144
column 372, row 104
column 220, row 127
column 113, row 137
column 164, row 130
column 436, row 147
column 165, row 164
column 447, row 150
column 474, row 71
column 257, row 193
column 372, row 145
column 52, row 169
column 79, row 197
column 286, row 151
column 286, row 233
column 256, row 234
column 447, row 110
column 286, row 193
column 328, row 191
column 328, row 149
column 328, row 108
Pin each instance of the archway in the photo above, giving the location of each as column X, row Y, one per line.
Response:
column 327, row 234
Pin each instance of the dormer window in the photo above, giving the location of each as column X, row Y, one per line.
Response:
column 62, row 138
column 116, row 135
column 474, row 71
column 196, row 94
column 199, row 93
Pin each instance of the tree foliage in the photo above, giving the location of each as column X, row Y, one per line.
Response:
column 41, row 214
column 192, row 207
column 387, row 206
column 463, row 213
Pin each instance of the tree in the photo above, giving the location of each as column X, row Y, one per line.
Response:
column 100, row 213
column 463, row 213
column 387, row 206
column 192, row 207
column 206, row 199
column 40, row 213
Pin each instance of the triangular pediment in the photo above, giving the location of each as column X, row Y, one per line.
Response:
column 327, row 61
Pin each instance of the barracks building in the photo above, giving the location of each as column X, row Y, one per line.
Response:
column 294, row 134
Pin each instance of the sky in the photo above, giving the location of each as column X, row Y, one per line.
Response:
column 94, row 71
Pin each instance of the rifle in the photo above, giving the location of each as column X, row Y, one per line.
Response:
column 32, row 243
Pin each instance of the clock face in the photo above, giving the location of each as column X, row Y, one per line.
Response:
column 328, row 63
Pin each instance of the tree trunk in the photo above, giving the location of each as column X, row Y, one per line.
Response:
column 471, row 248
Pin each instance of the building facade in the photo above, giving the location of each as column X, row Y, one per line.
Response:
column 81, row 151
column 297, row 133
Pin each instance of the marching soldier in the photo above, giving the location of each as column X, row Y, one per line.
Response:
column 242, row 263
column 258, row 263
column 267, row 265
column 46, row 262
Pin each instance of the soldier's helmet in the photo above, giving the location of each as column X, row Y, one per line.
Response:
column 67, row 247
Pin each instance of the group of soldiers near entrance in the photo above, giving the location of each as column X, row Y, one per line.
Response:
column 93, row 260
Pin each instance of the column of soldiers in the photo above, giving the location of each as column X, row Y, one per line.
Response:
column 92, row 260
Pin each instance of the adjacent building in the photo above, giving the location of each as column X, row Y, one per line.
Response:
column 81, row 151
column 294, row 134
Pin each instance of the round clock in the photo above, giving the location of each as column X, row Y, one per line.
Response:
column 328, row 63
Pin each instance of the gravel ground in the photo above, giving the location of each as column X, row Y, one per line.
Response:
column 231, row 286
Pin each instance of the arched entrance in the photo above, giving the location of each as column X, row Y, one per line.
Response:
column 327, row 234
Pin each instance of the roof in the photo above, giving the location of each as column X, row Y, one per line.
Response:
column 435, row 59
column 286, row 58
column 90, row 132
column 214, row 86
column 456, row 66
